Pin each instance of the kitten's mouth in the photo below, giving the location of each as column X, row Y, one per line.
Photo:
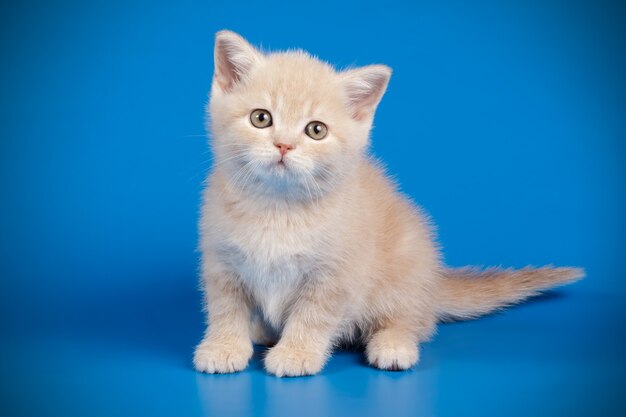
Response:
column 281, row 164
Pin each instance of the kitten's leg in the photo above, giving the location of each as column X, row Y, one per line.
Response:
column 307, row 336
column 226, row 346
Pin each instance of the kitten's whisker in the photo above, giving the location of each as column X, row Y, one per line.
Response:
column 306, row 184
column 235, row 178
column 239, row 185
column 251, row 173
column 314, row 198
column 230, row 158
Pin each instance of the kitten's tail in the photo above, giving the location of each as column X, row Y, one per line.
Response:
column 467, row 293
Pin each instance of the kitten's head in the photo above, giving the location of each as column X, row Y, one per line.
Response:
column 287, row 125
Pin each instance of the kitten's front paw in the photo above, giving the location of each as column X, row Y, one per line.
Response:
column 285, row 361
column 215, row 358
column 391, row 355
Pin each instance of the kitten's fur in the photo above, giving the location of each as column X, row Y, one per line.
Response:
column 321, row 249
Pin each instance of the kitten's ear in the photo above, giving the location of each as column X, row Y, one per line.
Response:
column 365, row 87
column 234, row 58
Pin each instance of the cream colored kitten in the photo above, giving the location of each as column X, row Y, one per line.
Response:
column 305, row 242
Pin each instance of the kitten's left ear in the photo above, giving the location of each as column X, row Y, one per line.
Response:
column 234, row 58
column 364, row 88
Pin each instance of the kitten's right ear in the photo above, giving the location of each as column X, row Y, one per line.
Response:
column 234, row 58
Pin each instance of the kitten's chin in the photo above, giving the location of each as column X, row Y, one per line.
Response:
column 284, row 180
column 282, row 168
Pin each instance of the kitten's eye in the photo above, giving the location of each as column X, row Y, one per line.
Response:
column 316, row 130
column 260, row 118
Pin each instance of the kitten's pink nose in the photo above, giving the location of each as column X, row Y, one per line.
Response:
column 283, row 148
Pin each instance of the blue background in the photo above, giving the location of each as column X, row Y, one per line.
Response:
column 505, row 120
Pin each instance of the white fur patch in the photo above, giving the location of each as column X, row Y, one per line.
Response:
column 272, row 262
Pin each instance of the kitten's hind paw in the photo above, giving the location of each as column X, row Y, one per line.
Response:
column 214, row 358
column 390, row 354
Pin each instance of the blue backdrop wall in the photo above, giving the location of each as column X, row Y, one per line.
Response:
column 505, row 120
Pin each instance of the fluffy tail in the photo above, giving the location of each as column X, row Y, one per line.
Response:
column 467, row 293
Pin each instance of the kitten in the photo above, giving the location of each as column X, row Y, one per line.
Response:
column 305, row 242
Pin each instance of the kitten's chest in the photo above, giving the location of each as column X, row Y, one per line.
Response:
column 272, row 257
column 273, row 243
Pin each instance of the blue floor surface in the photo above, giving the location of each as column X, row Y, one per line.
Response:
column 558, row 355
